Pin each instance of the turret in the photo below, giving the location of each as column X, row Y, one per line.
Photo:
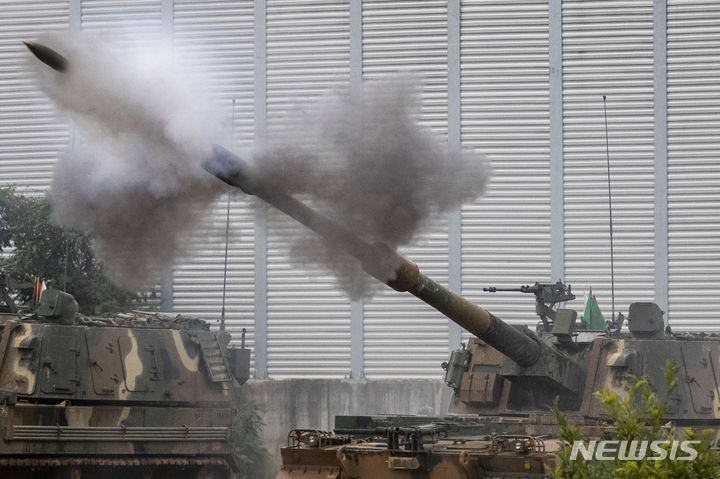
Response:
column 530, row 359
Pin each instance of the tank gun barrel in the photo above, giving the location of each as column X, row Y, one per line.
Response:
column 381, row 262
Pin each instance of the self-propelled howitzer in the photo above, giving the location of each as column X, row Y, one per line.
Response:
column 502, row 382
column 127, row 395
column 531, row 360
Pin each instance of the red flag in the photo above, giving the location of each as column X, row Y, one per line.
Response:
column 39, row 288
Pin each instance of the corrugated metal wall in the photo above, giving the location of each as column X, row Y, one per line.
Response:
column 693, row 167
column 30, row 136
column 607, row 49
column 308, row 317
column 505, row 113
column 403, row 336
column 217, row 40
column 133, row 18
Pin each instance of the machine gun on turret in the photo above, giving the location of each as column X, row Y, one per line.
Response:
column 547, row 295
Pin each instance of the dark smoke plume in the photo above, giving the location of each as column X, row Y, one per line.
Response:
column 361, row 158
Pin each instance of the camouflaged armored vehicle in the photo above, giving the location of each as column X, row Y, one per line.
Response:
column 503, row 385
column 500, row 424
column 503, row 382
column 132, row 395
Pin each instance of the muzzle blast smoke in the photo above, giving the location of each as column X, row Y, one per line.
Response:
column 381, row 262
column 357, row 156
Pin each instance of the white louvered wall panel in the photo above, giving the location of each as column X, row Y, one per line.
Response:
column 403, row 336
column 308, row 317
column 198, row 279
column 608, row 50
column 131, row 20
column 505, row 114
column 308, row 51
column 693, row 164
column 217, row 39
column 30, row 134
column 137, row 22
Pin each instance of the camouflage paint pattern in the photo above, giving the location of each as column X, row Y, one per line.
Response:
column 111, row 397
column 494, row 398
column 50, row 361
column 508, row 374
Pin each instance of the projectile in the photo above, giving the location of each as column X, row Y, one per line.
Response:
column 48, row 56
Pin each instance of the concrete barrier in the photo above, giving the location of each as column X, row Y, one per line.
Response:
column 314, row 403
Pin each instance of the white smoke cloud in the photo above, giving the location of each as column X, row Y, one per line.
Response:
column 135, row 183
column 363, row 159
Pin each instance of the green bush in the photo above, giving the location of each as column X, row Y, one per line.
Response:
column 638, row 417
column 247, row 441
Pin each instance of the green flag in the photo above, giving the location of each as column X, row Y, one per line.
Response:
column 592, row 316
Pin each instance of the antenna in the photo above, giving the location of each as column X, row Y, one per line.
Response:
column 227, row 238
column 67, row 242
column 612, row 256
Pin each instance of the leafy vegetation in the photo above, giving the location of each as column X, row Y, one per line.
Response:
column 246, row 440
column 33, row 246
column 638, row 417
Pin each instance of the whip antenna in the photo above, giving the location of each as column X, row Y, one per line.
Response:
column 612, row 256
column 227, row 239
